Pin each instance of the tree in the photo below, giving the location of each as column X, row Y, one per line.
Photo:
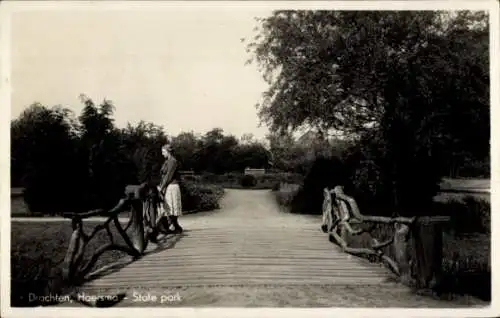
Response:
column 215, row 153
column 186, row 145
column 252, row 155
column 42, row 145
column 247, row 138
column 142, row 144
column 287, row 155
column 100, row 144
column 395, row 78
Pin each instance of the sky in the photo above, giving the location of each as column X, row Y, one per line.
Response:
column 182, row 68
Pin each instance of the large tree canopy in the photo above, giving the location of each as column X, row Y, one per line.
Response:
column 349, row 70
column 415, row 83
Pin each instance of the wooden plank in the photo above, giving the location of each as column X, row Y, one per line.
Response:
column 247, row 242
column 185, row 282
column 238, row 280
column 251, row 261
column 221, row 271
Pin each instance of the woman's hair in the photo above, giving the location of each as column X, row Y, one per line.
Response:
column 167, row 147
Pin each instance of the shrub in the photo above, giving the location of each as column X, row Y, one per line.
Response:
column 248, row 181
column 470, row 215
column 209, row 177
column 189, row 178
column 52, row 194
column 233, row 176
column 325, row 172
column 200, row 197
column 293, row 178
column 276, row 186
column 19, row 208
column 286, row 194
column 51, row 198
column 475, row 169
column 267, row 178
column 401, row 179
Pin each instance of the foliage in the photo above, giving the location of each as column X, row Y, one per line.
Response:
column 395, row 79
column 187, row 146
column 248, row 181
column 210, row 177
column 233, row 179
column 470, row 168
column 42, row 145
column 371, row 180
column 298, row 154
column 285, row 194
column 200, row 197
column 142, row 144
column 216, row 153
column 324, row 172
column 470, row 215
column 77, row 164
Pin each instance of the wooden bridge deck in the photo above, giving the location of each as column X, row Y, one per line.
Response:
column 247, row 242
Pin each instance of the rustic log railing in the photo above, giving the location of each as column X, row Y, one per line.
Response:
column 141, row 202
column 417, row 264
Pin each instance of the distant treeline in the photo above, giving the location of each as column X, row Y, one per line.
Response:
column 69, row 162
column 83, row 162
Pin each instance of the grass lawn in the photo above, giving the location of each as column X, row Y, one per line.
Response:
column 447, row 196
column 37, row 248
column 467, row 265
column 18, row 207
column 465, row 183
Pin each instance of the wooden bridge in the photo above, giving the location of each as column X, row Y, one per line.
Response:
column 250, row 242
column 247, row 241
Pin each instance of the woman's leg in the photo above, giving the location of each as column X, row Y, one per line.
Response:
column 175, row 222
column 164, row 221
column 174, row 205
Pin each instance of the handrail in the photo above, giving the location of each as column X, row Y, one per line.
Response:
column 75, row 269
column 341, row 212
column 339, row 194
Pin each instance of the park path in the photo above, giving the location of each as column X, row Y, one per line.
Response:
column 249, row 253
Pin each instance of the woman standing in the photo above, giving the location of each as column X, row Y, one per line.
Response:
column 170, row 189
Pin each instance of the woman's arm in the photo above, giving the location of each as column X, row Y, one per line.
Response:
column 169, row 173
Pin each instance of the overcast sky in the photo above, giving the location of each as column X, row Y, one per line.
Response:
column 180, row 68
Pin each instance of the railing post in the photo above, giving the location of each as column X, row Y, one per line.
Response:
column 428, row 244
column 343, row 216
column 71, row 260
column 401, row 249
column 327, row 220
